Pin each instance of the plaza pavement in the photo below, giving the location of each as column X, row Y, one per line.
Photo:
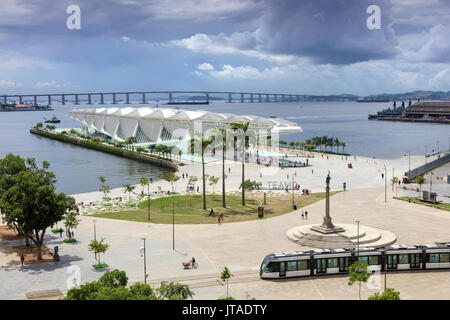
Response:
column 242, row 246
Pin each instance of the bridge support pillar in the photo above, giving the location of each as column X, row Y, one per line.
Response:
column 89, row 99
column 5, row 99
column 20, row 100
column 76, row 99
column 127, row 98
column 275, row 98
column 170, row 97
column 229, row 98
column 114, row 98
column 35, row 100
column 49, row 100
column 143, row 98
column 267, row 98
column 63, row 99
column 251, row 97
column 298, row 98
column 207, row 97
column 259, row 98
column 101, row 99
column 242, row 98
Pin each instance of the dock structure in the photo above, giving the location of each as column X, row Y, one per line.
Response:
column 144, row 97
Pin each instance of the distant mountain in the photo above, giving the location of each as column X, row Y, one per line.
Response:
column 414, row 95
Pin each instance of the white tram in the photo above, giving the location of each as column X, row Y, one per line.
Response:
column 325, row 261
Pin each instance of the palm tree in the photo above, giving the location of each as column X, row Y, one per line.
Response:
column 222, row 132
column 336, row 143
column 128, row 188
column 343, row 147
column 201, row 142
column 143, row 181
column 241, row 129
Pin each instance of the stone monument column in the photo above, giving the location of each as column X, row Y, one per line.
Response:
column 327, row 226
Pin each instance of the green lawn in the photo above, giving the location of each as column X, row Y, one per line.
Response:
column 189, row 209
column 442, row 206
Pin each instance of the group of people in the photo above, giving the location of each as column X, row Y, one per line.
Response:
column 304, row 214
column 219, row 217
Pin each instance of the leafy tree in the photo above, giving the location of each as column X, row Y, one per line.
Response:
column 98, row 247
column 174, row 291
column 50, row 127
column 39, row 125
column 225, row 276
column 213, row 181
column 394, row 180
column 389, row 294
column 143, row 182
column 112, row 286
column 251, row 186
column 113, row 279
column 420, row 180
column 172, row 178
column 358, row 273
column 28, row 199
column 71, row 221
column 104, row 188
column 202, row 142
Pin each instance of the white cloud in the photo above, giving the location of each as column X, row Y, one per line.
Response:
column 13, row 60
column 245, row 43
column 54, row 84
column 10, row 84
column 205, row 66
column 229, row 72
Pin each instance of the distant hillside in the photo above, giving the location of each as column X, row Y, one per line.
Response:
column 422, row 95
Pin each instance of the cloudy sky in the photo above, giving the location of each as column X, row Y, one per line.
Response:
column 292, row 46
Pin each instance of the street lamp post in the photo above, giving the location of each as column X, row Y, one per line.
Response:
column 293, row 192
column 385, row 183
column 148, row 200
column 357, row 244
column 385, row 270
column 95, row 238
column 173, row 225
column 145, row 262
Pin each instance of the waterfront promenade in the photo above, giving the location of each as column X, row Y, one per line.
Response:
column 240, row 246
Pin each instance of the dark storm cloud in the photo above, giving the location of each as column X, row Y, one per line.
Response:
column 326, row 31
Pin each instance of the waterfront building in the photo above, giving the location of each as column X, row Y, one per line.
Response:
column 151, row 126
column 429, row 110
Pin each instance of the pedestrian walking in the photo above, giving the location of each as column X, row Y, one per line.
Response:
column 221, row 217
column 312, row 171
column 306, row 215
column 218, row 220
column 211, row 213
column 72, row 234
column 183, row 175
column 198, row 189
column 60, row 232
column 303, row 214
column 229, row 170
column 22, row 259
column 187, row 175
column 382, row 175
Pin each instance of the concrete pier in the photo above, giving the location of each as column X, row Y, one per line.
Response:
column 230, row 98
column 35, row 100
column 143, row 98
column 114, row 98
column 127, row 98
column 76, row 99
column 251, row 97
column 63, row 100
column 242, row 98
column 89, row 99
column 101, row 99
column 49, row 100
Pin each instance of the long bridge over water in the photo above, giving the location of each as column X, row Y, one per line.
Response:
column 143, row 97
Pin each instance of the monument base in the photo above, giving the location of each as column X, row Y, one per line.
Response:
column 327, row 230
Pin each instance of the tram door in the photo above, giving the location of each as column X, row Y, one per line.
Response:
column 321, row 265
column 392, row 261
column 415, row 260
column 343, row 264
column 282, row 269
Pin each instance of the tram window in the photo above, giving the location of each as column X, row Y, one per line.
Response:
column 265, row 262
column 333, row 263
column 403, row 259
column 302, row 264
column 273, row 267
column 291, row 266
column 364, row 259
column 374, row 260
column 433, row 257
column 444, row 257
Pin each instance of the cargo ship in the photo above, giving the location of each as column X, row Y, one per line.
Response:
column 23, row 107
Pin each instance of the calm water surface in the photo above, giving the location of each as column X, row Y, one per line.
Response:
column 77, row 169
